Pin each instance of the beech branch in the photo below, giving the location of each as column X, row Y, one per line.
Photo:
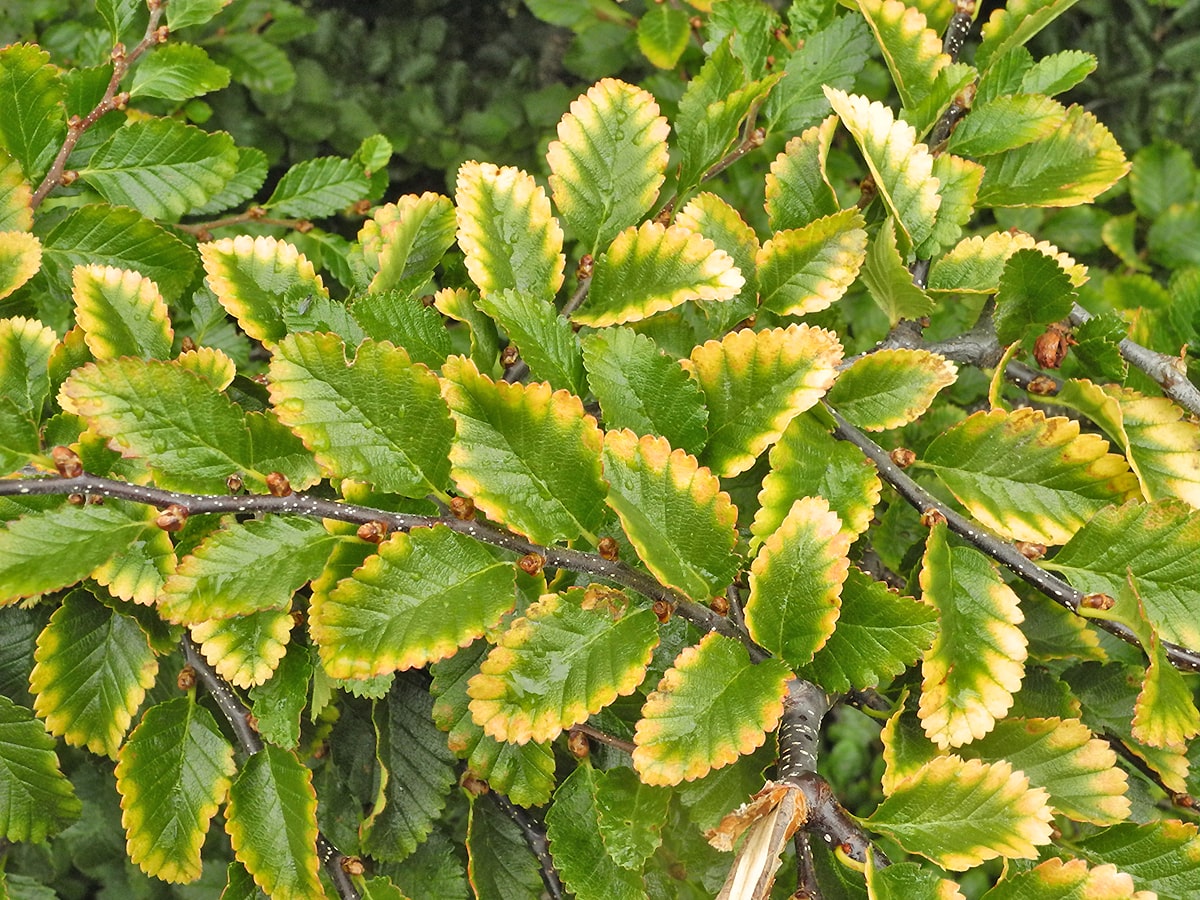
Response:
column 534, row 833
column 237, row 714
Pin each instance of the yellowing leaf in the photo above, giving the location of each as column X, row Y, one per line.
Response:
column 402, row 242
column 245, row 649
column 754, row 383
column 1013, row 25
column 890, row 388
column 717, row 220
column 798, row 189
column 653, row 267
column 506, row 231
column 20, row 260
column 912, row 50
column 807, row 269
column 16, row 196
column 251, row 275
column 1164, row 714
column 609, row 160
column 977, row 661
column 121, row 312
column 975, row 264
column 1071, row 879
column 712, row 706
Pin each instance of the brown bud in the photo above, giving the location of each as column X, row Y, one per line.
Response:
column 609, row 549
column 429, row 300
column 188, row 344
column 260, row 378
column 118, row 52
column 903, row 457
column 587, row 265
column 663, row 610
column 1051, row 346
column 473, row 784
column 68, row 177
column 234, row 483
column 1030, row 550
column 67, row 462
column 361, row 207
column 932, row 517
column 373, row 532
column 770, row 61
column 867, row 191
column 173, row 518
column 747, row 322
column 509, row 355
column 303, row 226
column 462, row 508
column 531, row 564
column 1043, row 386
column 256, row 212
column 95, row 499
column 121, row 100
column 278, row 485
column 756, row 138
column 664, row 215
column 352, row 865
column 187, row 678
column 252, row 722
column 76, row 499
column 1187, row 801
column 297, row 617
column 719, row 605
column 161, row 33
column 75, row 122
column 578, row 744
column 1097, row 601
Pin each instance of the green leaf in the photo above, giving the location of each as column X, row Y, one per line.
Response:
column 36, row 799
column 161, row 167
column 640, row 388
column 1154, row 543
column 1169, row 238
column 712, row 706
column 46, row 550
column 177, row 72
column 1159, row 443
column 122, row 313
column 798, row 189
column 245, row 567
column 457, row 304
column 245, row 183
column 901, row 167
column 416, row 773
column 674, row 513
column 138, row 403
column 1163, row 174
column 545, row 339
column 498, row 859
column 975, row 264
column 903, row 880
column 888, row 279
column 754, row 383
column 662, row 34
column 961, row 814
column 912, row 50
column 529, row 458
column 278, row 702
column 257, row 63
column 424, row 595
column 245, row 650
column 890, row 388
column 94, row 666
column 567, row 658
column 318, row 187
column 405, row 321
column 1058, row 72
column 138, row 571
column 20, row 260
column 611, row 155
column 1014, row 25
column 272, row 824
column 959, row 181
column 834, row 56
column 377, row 418
column 1006, row 123
column 1161, row 856
column 172, row 774
column 1034, row 290
column 1056, row 878
column 1028, row 477
column 116, row 236
column 250, row 276
column 949, row 85
column 403, row 242
column 1098, row 346
column 709, row 215
column 977, row 662
column 183, row 13
column 33, row 118
column 807, row 269
column 632, row 815
column 577, row 845
column 1073, row 165
column 18, row 437
column 652, row 268
column 25, row 348
column 506, row 231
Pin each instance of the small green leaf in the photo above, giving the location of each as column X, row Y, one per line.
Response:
column 457, row 304
column 499, row 863
column 796, row 582
column 712, row 706
column 177, row 72
column 122, row 313
column 545, row 339
column 1014, row 25
column 184, row 13
column 20, row 260
column 1028, row 477
column 272, row 823
column 674, row 512
column 754, row 383
column 18, row 437
column 662, row 34
column 959, row 181
column 640, row 388
column 611, row 155
column 255, row 62
column 833, row 55
column 528, row 457
column 1098, row 346
column 652, row 268
column 912, row 50
column 161, row 167
column 1058, row 72
column 903, row 880
column 888, row 279
column 807, row 269
column 961, row 814
column 38, row 798
column 402, row 242
column 507, row 232
column 424, row 595
column 245, row 183
column 1034, row 290
column 798, row 190
column 566, row 659
column 1163, row 174
column 93, row 669
column 577, row 845
column 318, row 187
column 405, row 321
column 1006, row 123
column 25, row 348
column 172, row 773
column 33, row 120
column 632, row 815
column 978, row 659
column 245, row 650
column 890, row 388
column 251, row 275
column 377, row 418
column 278, row 702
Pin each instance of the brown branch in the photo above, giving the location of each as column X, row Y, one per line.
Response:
column 534, row 833
column 604, row 737
column 203, row 230
column 121, row 62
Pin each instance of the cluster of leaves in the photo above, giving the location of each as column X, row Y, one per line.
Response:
column 629, row 502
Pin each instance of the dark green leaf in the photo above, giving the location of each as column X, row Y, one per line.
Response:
column 35, row 798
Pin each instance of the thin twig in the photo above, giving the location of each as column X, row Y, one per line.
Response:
column 604, row 737
column 534, row 833
column 203, row 230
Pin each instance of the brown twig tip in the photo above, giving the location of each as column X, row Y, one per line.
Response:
column 510, row 356
column 932, row 517
column 373, row 532
column 462, row 508
column 234, row 483
column 1042, row 386
column 719, row 605
column 1097, row 601
column 903, row 457
column 662, row 609
column 473, row 784
column 173, row 518
column 1030, row 550
column 187, row 678
column 531, row 564
column 352, row 865
column 67, row 462
column 587, row 265
column 609, row 549
column 76, row 499
column 278, row 485
column 578, row 744
column 1050, row 348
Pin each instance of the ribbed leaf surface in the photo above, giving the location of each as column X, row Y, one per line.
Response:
column 36, row 799
column 808, row 269
column 403, row 241
column 121, row 313
column 20, row 259
column 891, row 388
